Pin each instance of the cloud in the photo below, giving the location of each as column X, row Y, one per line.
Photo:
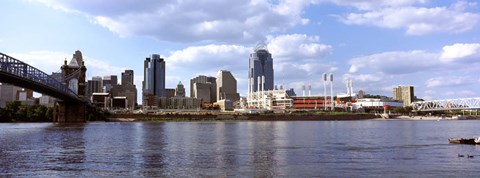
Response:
column 450, row 81
column 284, row 47
column 395, row 62
column 208, row 59
column 289, row 65
column 449, row 68
column 51, row 61
column 369, row 5
column 460, row 52
column 365, row 78
column 190, row 20
column 418, row 20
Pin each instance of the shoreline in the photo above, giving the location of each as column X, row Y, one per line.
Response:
column 238, row 117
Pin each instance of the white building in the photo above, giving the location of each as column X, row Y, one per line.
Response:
column 375, row 103
column 271, row 99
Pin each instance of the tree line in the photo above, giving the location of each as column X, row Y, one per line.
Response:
column 14, row 111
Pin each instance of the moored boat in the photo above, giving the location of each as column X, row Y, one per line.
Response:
column 472, row 141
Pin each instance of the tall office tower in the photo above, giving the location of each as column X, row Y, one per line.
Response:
column 127, row 77
column 405, row 93
column 94, row 86
column 153, row 79
column 204, row 88
column 108, row 82
column 226, row 86
column 260, row 69
column 180, row 90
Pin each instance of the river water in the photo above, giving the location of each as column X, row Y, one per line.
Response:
column 373, row 148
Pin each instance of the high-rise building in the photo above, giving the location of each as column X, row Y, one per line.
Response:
column 154, row 79
column 180, row 90
column 260, row 69
column 226, row 86
column 108, row 82
column 94, row 86
column 127, row 77
column 204, row 88
column 129, row 92
column 126, row 91
column 110, row 79
column 404, row 93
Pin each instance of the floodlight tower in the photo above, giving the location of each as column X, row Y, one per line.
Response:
column 325, row 90
column 350, row 84
column 309, row 89
column 348, row 87
column 303, row 90
column 331, row 91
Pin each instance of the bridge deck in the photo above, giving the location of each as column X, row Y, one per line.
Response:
column 16, row 72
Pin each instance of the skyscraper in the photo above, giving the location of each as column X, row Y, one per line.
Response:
column 108, row 82
column 404, row 93
column 126, row 89
column 226, row 86
column 154, row 79
column 204, row 88
column 180, row 90
column 260, row 69
column 127, row 77
column 94, row 86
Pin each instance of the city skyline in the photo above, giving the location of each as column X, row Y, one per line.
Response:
column 433, row 46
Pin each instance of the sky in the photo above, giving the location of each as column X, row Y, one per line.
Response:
column 431, row 45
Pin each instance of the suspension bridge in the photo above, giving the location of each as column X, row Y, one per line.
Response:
column 70, row 107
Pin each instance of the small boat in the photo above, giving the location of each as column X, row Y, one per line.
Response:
column 472, row 141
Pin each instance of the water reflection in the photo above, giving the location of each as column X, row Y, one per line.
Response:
column 66, row 152
column 152, row 149
column 227, row 149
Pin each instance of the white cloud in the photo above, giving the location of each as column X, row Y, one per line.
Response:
column 51, row 61
column 208, row 59
column 417, row 20
column 459, row 52
column 438, row 72
column 285, row 47
column 364, row 77
column 450, row 81
column 289, row 66
column 369, row 5
column 396, row 62
column 190, row 20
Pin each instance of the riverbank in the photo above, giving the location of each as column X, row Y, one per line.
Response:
column 238, row 117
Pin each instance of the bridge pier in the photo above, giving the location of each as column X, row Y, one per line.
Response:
column 70, row 112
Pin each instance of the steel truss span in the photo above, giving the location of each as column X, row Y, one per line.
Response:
column 447, row 104
column 16, row 72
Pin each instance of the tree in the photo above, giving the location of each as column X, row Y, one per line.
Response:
column 11, row 109
column 3, row 116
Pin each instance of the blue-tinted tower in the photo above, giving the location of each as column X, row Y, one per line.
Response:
column 260, row 69
column 154, row 78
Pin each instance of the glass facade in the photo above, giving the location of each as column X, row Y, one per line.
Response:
column 260, row 67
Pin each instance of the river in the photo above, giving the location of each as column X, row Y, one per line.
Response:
column 372, row 148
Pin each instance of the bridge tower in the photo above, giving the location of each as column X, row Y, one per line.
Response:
column 74, row 75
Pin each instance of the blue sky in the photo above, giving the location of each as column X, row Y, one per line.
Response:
column 432, row 45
